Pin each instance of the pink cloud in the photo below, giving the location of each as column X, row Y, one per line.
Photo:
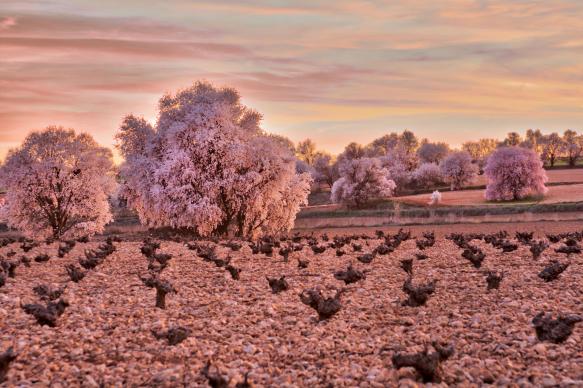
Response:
column 158, row 49
column 7, row 22
column 123, row 28
column 312, row 67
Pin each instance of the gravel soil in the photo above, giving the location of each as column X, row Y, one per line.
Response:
column 241, row 327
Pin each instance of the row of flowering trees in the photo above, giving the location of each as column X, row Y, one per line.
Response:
column 512, row 173
column 410, row 164
column 207, row 166
column 390, row 164
column 414, row 161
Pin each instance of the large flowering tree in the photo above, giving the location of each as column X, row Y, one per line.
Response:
column 57, row 185
column 458, row 170
column 514, row 173
column 427, row 175
column 360, row 181
column 398, row 164
column 209, row 167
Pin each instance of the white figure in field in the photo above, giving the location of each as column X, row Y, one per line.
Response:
column 435, row 198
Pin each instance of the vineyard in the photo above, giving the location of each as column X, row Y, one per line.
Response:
column 291, row 194
column 375, row 309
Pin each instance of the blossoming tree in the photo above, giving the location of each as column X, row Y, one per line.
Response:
column 209, row 167
column 397, row 164
column 458, row 170
column 57, row 185
column 514, row 173
column 427, row 175
column 360, row 181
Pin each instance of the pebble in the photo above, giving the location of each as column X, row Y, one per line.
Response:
column 90, row 382
column 548, row 381
column 540, row 348
column 407, row 321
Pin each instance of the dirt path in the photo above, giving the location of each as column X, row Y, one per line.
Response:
column 556, row 194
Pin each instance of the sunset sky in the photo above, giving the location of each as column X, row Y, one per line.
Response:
column 335, row 71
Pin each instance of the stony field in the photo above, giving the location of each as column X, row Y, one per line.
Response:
column 112, row 334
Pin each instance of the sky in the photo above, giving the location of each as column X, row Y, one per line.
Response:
column 335, row 71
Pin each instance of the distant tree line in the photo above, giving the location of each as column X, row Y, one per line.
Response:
column 409, row 163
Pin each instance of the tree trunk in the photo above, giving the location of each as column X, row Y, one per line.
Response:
column 515, row 196
column 160, row 299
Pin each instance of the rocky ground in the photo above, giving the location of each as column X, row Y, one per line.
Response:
column 242, row 328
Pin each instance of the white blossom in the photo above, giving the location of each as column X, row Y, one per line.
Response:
column 208, row 166
column 58, row 183
column 360, row 181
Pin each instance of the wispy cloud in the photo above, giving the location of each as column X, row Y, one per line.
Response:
column 7, row 22
column 335, row 71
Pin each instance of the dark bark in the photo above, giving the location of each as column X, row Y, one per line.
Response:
column 407, row 266
column 174, row 335
column 350, row 275
column 554, row 330
column 367, row 258
column 75, row 273
column 552, row 271
column 215, row 380
column 6, row 358
column 48, row 293
column 493, row 279
column 162, row 287
column 325, row 307
column 277, row 285
column 425, row 363
column 46, row 315
column 418, row 295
